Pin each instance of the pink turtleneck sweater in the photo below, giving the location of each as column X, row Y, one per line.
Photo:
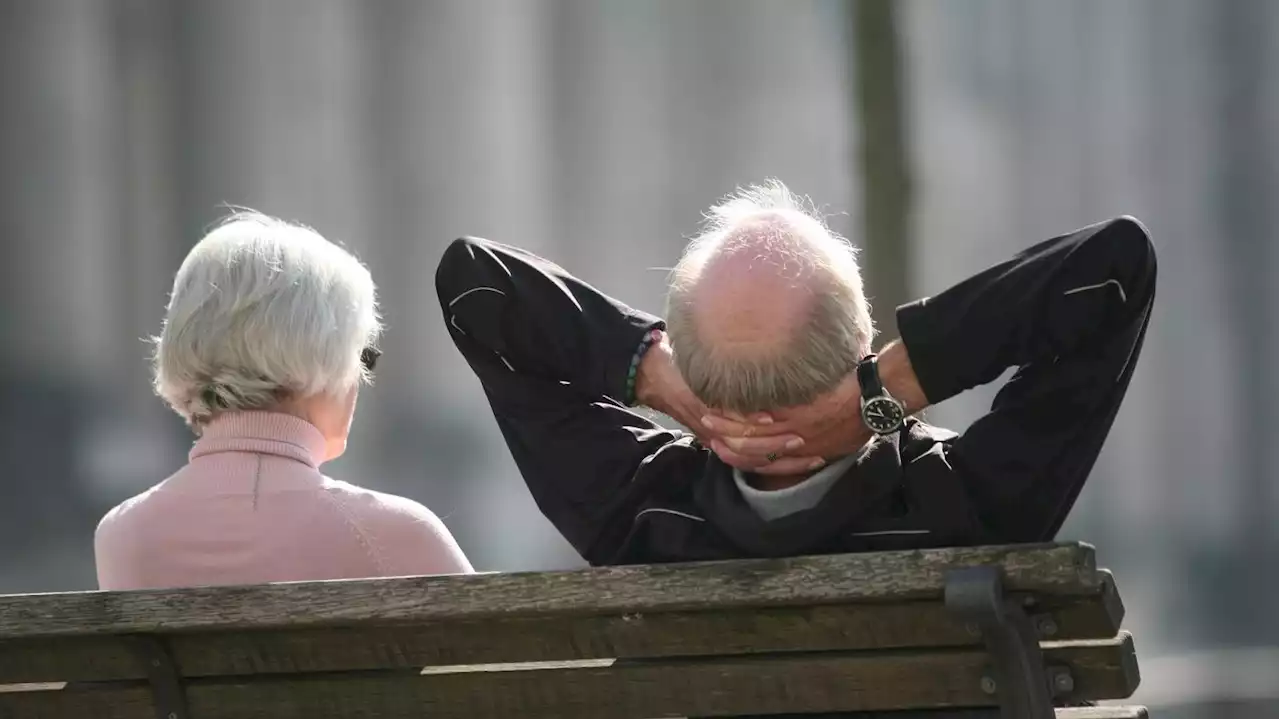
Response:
column 252, row 507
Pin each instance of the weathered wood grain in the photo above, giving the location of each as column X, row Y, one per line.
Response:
column 1126, row 712
column 1123, row 712
column 640, row 635
column 633, row 690
column 1106, row 712
column 850, row 578
column 1113, row 604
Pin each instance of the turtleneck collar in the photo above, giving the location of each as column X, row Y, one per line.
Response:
column 265, row 433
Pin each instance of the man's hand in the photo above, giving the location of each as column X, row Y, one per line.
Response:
column 831, row 426
column 660, row 387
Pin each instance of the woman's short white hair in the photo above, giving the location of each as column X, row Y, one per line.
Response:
column 263, row 310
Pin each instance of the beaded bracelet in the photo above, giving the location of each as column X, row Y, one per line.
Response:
column 650, row 338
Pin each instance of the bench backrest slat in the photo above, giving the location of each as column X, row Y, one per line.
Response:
column 644, row 635
column 804, row 581
column 377, row 643
column 799, row 682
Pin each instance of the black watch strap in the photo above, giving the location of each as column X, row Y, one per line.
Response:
column 869, row 377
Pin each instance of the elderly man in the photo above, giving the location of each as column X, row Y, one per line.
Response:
column 804, row 440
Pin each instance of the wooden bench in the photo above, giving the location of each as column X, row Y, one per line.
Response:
column 972, row 629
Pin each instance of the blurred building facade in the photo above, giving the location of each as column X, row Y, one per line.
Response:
column 596, row 132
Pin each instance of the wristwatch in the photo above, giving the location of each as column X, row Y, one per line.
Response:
column 880, row 411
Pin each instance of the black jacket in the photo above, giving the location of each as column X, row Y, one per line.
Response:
column 552, row 354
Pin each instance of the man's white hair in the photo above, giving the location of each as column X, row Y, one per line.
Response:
column 821, row 352
column 263, row 310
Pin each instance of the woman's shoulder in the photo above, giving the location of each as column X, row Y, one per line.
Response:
column 126, row 512
column 409, row 538
column 373, row 502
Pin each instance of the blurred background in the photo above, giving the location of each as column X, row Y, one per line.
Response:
column 940, row 135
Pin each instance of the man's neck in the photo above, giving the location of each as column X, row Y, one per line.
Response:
column 773, row 483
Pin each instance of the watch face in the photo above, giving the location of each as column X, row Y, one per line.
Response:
column 882, row 414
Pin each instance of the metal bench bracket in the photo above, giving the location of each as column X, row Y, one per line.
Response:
column 169, row 697
column 975, row 595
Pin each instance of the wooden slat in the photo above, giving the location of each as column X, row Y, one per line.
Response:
column 647, row 635
column 635, row 690
column 1126, row 712
column 1102, row 712
column 1054, row 569
column 1112, row 603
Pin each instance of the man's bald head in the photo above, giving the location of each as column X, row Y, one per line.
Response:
column 766, row 309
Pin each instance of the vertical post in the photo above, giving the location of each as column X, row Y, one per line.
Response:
column 168, row 697
column 882, row 158
column 1245, row 46
column 975, row 595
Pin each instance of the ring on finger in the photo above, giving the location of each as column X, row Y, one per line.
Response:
column 772, row 456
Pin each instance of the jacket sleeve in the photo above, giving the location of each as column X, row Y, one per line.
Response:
column 553, row 354
column 1070, row 314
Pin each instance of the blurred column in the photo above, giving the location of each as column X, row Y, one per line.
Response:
column 276, row 113
column 1269, row 145
column 882, row 158
column 61, row 276
column 59, row 203
column 1197, row 425
column 131, row 440
column 1243, row 63
column 462, row 144
column 149, row 227
column 461, row 140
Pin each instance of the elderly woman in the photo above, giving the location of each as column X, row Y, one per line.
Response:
column 269, row 333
